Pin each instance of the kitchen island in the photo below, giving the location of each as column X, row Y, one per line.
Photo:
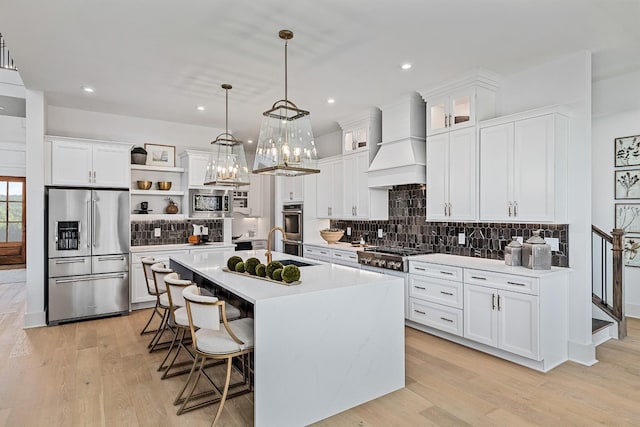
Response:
column 332, row 342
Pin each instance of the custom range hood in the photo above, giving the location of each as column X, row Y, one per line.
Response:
column 401, row 156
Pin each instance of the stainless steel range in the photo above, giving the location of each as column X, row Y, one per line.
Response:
column 389, row 258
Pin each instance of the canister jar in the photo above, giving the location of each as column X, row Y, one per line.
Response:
column 536, row 253
column 513, row 253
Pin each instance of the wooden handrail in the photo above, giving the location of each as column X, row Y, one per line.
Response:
column 602, row 233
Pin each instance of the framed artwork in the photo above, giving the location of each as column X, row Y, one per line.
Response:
column 627, row 151
column 628, row 217
column 631, row 251
column 627, row 185
column 161, row 155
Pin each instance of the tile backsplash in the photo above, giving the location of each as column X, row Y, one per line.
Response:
column 172, row 232
column 407, row 227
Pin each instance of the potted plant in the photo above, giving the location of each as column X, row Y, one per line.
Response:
column 138, row 156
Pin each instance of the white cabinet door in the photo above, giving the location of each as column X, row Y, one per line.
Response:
column 518, row 319
column 71, row 163
column 290, row 188
column 197, row 169
column 462, row 175
column 437, row 176
column 329, row 189
column 139, row 291
column 111, row 165
column 256, row 195
column 533, row 169
column 451, row 112
column 437, row 115
column 480, row 314
column 361, row 184
column 496, row 171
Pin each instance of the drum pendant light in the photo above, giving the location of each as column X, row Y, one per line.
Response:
column 227, row 164
column 285, row 144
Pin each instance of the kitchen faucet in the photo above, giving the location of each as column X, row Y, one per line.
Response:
column 284, row 236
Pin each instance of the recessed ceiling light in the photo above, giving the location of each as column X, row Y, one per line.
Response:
column 1, row 107
column 88, row 89
column 405, row 66
column 250, row 141
column 331, row 101
column 200, row 108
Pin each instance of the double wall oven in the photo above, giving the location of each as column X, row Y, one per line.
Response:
column 292, row 224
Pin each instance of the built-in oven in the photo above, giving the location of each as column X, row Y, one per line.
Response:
column 292, row 222
column 292, row 247
column 210, row 203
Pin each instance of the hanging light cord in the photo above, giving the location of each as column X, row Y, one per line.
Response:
column 286, row 43
column 226, row 111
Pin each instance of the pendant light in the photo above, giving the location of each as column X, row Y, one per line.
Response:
column 285, row 145
column 227, row 163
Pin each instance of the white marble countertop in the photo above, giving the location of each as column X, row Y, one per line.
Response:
column 318, row 277
column 339, row 245
column 248, row 239
column 182, row 246
column 485, row 264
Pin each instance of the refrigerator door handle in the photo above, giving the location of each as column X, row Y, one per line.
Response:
column 70, row 261
column 112, row 258
column 90, row 278
column 88, row 220
column 93, row 222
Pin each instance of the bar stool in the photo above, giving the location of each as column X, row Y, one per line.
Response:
column 159, row 271
column 147, row 262
column 179, row 319
column 211, row 341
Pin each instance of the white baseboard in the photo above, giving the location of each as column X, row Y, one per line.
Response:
column 35, row 320
column 585, row 354
column 632, row 310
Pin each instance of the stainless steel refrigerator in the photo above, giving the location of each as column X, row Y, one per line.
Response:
column 87, row 253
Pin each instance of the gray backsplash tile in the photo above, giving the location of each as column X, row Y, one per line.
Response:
column 173, row 232
column 407, row 227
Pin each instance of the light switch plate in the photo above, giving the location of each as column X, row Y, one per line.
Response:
column 205, row 231
column 348, row 231
column 379, row 233
column 554, row 242
column 157, row 232
column 461, row 238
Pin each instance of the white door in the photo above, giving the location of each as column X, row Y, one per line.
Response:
column 518, row 320
column 255, row 195
column 111, row 165
column 480, row 314
column 71, row 163
column 437, row 115
column 462, row 174
column 437, row 176
column 462, row 109
column 361, row 184
column 291, row 188
column 139, row 291
column 197, row 169
column 496, row 162
column 534, row 177
column 324, row 184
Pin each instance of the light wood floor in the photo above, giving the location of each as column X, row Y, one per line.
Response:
column 98, row 373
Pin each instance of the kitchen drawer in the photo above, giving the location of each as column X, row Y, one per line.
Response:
column 314, row 252
column 109, row 263
column 435, row 270
column 437, row 316
column 346, row 257
column 527, row 285
column 259, row 244
column 439, row 291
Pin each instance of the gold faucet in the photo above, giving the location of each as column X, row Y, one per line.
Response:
column 284, row 236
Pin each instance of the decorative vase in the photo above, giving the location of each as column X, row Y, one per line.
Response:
column 513, row 253
column 536, row 253
column 172, row 208
column 138, row 159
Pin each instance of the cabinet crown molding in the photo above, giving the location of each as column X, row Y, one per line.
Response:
column 89, row 140
column 480, row 78
column 371, row 114
column 562, row 110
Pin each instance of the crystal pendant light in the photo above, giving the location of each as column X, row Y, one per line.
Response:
column 227, row 163
column 285, row 145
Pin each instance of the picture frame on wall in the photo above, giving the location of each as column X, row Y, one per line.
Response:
column 627, row 217
column 161, row 155
column 627, row 151
column 627, row 184
column 631, row 251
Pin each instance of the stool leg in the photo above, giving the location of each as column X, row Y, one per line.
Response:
column 193, row 386
column 153, row 314
column 193, row 369
column 224, row 392
column 169, row 350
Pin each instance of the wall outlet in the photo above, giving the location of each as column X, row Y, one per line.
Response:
column 205, row 231
column 348, row 231
column 379, row 233
column 461, row 238
column 157, row 232
column 554, row 242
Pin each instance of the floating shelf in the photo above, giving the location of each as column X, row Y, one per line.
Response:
column 156, row 193
column 151, row 217
column 156, row 168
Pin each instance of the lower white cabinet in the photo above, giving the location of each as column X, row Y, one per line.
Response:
column 345, row 257
column 139, row 292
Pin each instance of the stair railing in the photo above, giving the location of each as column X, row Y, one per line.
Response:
column 6, row 61
column 607, row 265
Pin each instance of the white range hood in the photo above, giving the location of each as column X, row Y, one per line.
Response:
column 401, row 157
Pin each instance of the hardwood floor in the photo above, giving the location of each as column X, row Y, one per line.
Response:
column 99, row 373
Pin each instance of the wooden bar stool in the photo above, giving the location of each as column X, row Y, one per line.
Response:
column 212, row 339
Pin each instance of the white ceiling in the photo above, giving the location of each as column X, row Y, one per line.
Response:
column 161, row 58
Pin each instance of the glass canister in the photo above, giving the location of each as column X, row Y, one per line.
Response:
column 536, row 253
column 513, row 253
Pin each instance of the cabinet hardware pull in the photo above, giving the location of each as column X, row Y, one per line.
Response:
column 111, row 258
column 445, row 209
column 446, row 120
column 516, row 283
column 493, row 301
column 70, row 261
column 509, row 208
column 478, row 278
column 446, row 293
column 89, row 176
column 421, row 312
column 446, row 320
column 498, row 302
column 420, row 268
column 88, row 279
column 94, row 177
column 420, row 287
column 515, row 208
column 448, row 273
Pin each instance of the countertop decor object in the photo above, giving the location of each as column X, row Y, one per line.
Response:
column 513, row 253
column 164, row 185
column 144, row 185
column 331, row 236
column 172, row 208
column 285, row 145
column 536, row 253
column 267, row 279
column 138, row 156
column 161, row 155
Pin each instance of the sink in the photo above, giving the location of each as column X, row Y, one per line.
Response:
column 294, row 262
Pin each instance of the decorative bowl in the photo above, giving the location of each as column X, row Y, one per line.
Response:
column 331, row 236
column 144, row 185
column 164, row 185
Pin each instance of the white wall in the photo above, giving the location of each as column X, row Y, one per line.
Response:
column 566, row 81
column 13, row 146
column 329, row 144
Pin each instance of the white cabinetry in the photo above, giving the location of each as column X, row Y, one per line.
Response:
column 86, row 163
column 290, row 188
column 195, row 163
column 329, row 187
column 345, row 257
column 362, row 132
column 157, row 199
column 248, row 200
column 523, row 168
column 139, row 294
column 451, row 176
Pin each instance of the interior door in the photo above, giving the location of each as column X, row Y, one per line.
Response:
column 12, row 220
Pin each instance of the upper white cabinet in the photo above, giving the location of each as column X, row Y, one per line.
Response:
column 460, row 103
column 249, row 200
column 329, row 188
column 451, row 176
column 523, row 168
column 362, row 132
column 360, row 201
column 76, row 162
column 195, row 163
column 290, row 188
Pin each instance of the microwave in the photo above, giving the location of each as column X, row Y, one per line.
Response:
column 214, row 203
